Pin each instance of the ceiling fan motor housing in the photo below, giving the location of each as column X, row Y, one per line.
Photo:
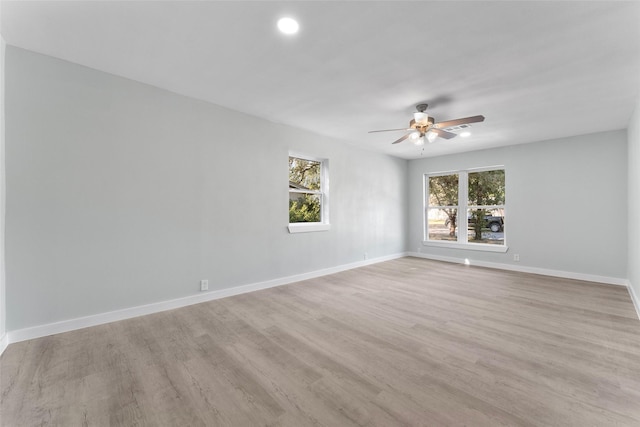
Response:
column 418, row 126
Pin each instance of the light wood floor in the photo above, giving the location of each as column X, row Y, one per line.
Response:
column 406, row 342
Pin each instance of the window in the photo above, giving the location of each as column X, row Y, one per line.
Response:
column 479, row 195
column 308, row 194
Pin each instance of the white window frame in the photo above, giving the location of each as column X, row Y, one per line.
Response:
column 462, row 207
column 324, row 224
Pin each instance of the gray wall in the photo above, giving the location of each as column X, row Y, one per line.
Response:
column 121, row 194
column 3, row 305
column 566, row 203
column 634, row 201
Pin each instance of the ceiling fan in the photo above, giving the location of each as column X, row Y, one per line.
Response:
column 422, row 125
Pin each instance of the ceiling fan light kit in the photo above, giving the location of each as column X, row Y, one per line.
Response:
column 422, row 125
column 416, row 138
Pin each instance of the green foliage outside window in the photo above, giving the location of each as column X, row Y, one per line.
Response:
column 485, row 197
column 305, row 173
column 305, row 197
column 485, row 188
column 304, row 209
column 444, row 192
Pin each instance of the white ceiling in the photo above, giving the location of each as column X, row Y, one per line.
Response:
column 535, row 70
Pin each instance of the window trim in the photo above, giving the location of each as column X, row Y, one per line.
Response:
column 462, row 206
column 324, row 224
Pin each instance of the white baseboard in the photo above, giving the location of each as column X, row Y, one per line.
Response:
column 635, row 299
column 4, row 342
column 127, row 313
column 525, row 269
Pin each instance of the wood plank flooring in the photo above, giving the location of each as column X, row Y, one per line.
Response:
column 409, row 342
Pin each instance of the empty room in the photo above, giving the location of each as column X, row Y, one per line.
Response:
column 462, row 241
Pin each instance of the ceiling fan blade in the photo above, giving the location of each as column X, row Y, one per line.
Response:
column 402, row 139
column 388, row 130
column 457, row 122
column 443, row 133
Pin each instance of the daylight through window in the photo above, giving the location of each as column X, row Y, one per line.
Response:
column 307, row 190
column 478, row 195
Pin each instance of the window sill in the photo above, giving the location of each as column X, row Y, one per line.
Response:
column 308, row 227
column 467, row 246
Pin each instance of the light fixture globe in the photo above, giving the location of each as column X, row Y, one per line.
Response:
column 417, row 138
column 421, row 118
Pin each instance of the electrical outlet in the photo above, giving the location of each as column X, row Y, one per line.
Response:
column 516, row 257
column 204, row 285
column 366, row 256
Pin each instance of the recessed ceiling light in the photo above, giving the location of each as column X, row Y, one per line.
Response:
column 288, row 25
column 465, row 134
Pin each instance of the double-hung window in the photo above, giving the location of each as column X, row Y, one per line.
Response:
column 308, row 194
column 466, row 209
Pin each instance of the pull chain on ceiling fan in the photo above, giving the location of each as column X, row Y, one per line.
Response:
column 422, row 125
